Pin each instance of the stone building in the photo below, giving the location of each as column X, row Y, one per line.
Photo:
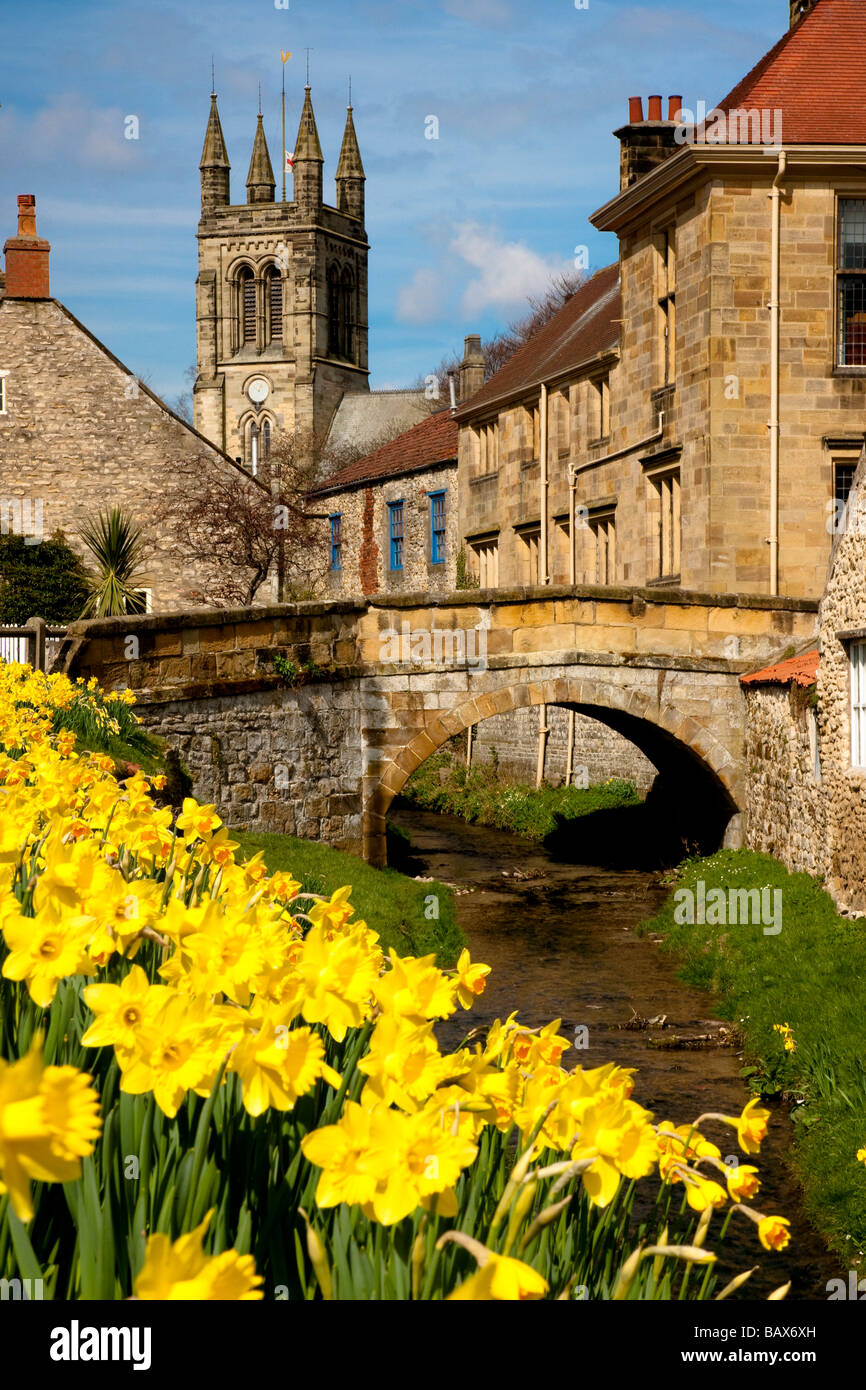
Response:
column 281, row 295
column 392, row 515
column 628, row 442
column 79, row 432
column 806, row 731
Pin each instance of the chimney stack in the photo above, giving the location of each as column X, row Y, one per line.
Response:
column 27, row 256
column 472, row 367
column 646, row 143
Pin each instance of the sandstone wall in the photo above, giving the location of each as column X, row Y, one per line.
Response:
column 786, row 807
column 600, row 750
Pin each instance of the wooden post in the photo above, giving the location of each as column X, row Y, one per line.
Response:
column 37, row 625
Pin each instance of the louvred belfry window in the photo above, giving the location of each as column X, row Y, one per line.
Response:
column 248, row 306
column 275, row 306
column 851, row 283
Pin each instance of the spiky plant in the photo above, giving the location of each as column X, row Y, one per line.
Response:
column 115, row 543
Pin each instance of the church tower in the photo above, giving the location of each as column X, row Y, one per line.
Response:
column 281, row 295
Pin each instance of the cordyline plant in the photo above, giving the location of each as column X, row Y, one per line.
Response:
column 214, row 1084
column 115, row 543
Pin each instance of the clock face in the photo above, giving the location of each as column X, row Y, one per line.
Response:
column 258, row 390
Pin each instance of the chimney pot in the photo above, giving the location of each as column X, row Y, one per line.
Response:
column 675, row 106
column 655, row 108
column 26, row 214
column 635, row 110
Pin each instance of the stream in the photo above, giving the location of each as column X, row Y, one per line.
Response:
column 560, row 938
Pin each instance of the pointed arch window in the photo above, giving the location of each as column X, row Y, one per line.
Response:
column 274, row 301
column 266, row 440
column 247, row 306
column 347, row 295
column 333, row 312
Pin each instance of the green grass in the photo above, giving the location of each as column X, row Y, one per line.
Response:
column 443, row 784
column 393, row 905
column 811, row 976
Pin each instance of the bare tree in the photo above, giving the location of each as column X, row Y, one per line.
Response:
column 503, row 345
column 240, row 531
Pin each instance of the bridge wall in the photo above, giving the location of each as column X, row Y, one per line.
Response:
column 374, row 687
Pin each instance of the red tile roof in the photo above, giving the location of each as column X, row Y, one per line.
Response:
column 433, row 441
column 583, row 328
column 816, row 76
column 797, row 670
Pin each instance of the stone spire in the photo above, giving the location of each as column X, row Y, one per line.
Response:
column 308, row 161
column 214, row 164
column 260, row 180
column 350, row 173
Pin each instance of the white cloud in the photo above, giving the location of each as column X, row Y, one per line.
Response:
column 508, row 271
column 69, row 131
column 421, row 300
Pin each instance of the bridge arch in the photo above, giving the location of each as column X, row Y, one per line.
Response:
column 687, row 753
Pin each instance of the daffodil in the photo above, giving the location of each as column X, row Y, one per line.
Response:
column 773, row 1232
column 49, row 1122
column 415, row 988
column 182, row 1271
column 471, row 980
column 502, row 1279
column 278, row 1064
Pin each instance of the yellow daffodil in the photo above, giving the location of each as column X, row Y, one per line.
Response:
column 502, row 1279
column 471, row 980
column 182, row 1271
column 773, row 1232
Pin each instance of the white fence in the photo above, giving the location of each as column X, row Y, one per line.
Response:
column 37, row 644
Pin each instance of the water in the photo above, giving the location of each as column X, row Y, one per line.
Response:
column 561, row 941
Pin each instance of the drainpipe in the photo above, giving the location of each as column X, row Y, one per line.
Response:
column 572, row 579
column 469, row 729
column 543, row 567
column 775, row 316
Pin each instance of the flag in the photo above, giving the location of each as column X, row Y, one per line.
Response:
column 284, row 55
column 290, row 162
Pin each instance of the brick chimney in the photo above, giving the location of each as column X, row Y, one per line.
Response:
column 646, row 143
column 800, row 8
column 472, row 367
column 27, row 256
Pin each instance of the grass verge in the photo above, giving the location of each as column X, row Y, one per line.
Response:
column 811, row 976
column 442, row 783
column 393, row 905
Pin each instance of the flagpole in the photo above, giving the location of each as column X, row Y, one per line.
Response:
column 284, row 131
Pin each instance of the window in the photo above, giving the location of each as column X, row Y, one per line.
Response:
column 333, row 311
column 563, row 423
column 247, row 308
column 437, row 528
column 600, row 423
column 857, row 659
column 275, row 305
column 336, row 541
column 395, row 522
column 603, row 529
column 843, row 478
column 667, row 487
column 851, row 283
column 531, row 542
column 814, row 743
column 142, row 600
column 488, row 447
column 485, row 556
column 3, row 376
column 533, row 432
column 666, row 291
column 347, row 295
column 266, row 440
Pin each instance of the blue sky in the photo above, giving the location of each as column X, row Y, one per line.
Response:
column 526, row 94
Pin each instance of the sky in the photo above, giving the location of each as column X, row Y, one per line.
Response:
column 521, row 96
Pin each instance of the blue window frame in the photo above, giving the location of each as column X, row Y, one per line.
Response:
column 395, row 523
column 437, row 527
column 337, row 541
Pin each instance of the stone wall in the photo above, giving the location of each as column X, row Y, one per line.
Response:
column 366, row 542
column 598, row 749
column 785, row 813
column 81, row 434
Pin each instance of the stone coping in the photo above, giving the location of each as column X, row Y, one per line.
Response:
column 463, row 598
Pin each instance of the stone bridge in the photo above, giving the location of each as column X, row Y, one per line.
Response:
column 368, row 689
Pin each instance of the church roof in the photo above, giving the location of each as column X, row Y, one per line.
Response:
column 816, row 76
column 432, row 442
column 584, row 328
